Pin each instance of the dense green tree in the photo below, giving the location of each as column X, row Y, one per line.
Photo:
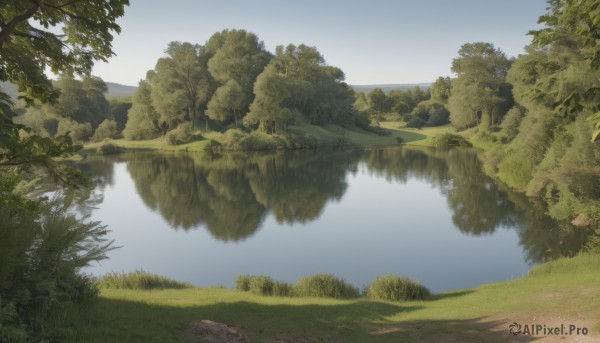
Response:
column 378, row 102
column 511, row 121
column 118, row 111
column 142, row 118
column 29, row 42
column 268, row 110
column 480, row 93
column 178, row 84
column 227, row 103
column 42, row 245
column 82, row 101
column 106, row 129
column 237, row 55
column 556, row 83
column 580, row 21
column 401, row 101
column 440, row 90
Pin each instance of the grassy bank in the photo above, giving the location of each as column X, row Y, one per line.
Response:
column 561, row 292
column 329, row 135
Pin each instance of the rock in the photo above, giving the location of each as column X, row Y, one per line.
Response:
column 209, row 331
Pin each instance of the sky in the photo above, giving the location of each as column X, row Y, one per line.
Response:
column 372, row 41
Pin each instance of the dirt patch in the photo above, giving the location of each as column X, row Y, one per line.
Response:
column 209, row 331
column 495, row 329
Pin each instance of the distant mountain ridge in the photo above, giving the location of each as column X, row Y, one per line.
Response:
column 389, row 87
column 115, row 90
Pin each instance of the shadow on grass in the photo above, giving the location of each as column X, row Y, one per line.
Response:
column 111, row 320
column 447, row 295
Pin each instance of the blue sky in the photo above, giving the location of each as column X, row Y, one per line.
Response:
column 372, row 41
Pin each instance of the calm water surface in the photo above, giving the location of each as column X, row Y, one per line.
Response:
column 430, row 215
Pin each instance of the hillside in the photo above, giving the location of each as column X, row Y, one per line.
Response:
column 115, row 90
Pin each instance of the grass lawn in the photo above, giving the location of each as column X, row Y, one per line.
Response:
column 565, row 291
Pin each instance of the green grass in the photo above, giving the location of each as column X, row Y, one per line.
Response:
column 138, row 280
column 564, row 291
column 327, row 135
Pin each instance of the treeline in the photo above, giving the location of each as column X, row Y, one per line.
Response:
column 534, row 112
column 417, row 107
column 233, row 82
column 81, row 110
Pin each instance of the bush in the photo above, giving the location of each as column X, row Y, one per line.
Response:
column 325, row 285
column 78, row 132
column 415, row 122
column 106, row 129
column 242, row 283
column 262, row 285
column 181, row 135
column 395, row 288
column 438, row 118
column 109, row 148
column 450, row 140
column 399, row 140
column 43, row 247
column 139, row 280
column 362, row 120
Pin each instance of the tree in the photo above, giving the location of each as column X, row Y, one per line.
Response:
column 268, row 109
column 142, row 118
column 579, row 20
column 480, row 93
column 42, row 246
column 239, row 56
column 26, row 50
column 440, row 89
column 378, row 102
column 82, row 101
column 178, row 84
column 227, row 103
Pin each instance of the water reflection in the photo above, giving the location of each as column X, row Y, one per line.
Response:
column 231, row 194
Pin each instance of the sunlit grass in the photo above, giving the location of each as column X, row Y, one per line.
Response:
column 564, row 290
column 139, row 280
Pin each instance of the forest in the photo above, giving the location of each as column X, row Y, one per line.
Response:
column 536, row 115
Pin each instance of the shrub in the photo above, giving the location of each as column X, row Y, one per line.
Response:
column 395, row 288
column 438, row 118
column 325, row 285
column 109, row 148
column 399, row 140
column 450, row 140
column 139, row 280
column 43, row 247
column 262, row 285
column 242, row 283
column 181, row 135
column 106, row 129
column 78, row 132
column 415, row 122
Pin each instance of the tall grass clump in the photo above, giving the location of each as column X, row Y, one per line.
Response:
column 326, row 286
column 139, row 280
column 262, row 285
column 396, row 288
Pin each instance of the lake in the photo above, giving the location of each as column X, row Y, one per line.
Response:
column 430, row 215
